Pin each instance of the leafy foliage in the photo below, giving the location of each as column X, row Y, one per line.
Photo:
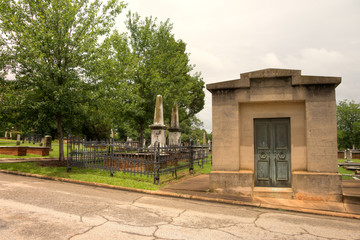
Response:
column 348, row 124
column 149, row 62
column 71, row 75
column 48, row 45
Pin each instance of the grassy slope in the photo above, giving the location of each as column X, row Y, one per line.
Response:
column 98, row 176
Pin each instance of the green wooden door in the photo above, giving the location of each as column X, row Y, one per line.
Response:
column 272, row 152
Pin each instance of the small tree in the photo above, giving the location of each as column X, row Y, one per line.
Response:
column 48, row 45
column 348, row 124
column 158, row 64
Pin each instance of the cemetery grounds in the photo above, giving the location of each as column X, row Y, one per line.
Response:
column 56, row 168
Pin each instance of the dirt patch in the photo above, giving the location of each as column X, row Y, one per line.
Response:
column 52, row 163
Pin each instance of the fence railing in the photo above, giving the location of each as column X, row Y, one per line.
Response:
column 130, row 157
column 34, row 138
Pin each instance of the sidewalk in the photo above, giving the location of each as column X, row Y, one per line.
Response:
column 198, row 187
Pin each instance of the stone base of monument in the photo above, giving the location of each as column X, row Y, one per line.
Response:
column 12, row 150
column 317, row 186
column 22, row 151
column 305, row 185
column 234, row 182
column 43, row 151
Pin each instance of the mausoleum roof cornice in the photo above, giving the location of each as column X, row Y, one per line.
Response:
column 295, row 75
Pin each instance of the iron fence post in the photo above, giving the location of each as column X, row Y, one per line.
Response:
column 156, row 163
column 68, row 154
column 191, row 160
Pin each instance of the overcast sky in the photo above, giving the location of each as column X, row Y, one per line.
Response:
column 229, row 37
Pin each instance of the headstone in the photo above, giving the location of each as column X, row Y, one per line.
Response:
column 348, row 155
column 174, row 130
column 47, row 142
column 204, row 139
column 198, row 142
column 6, row 133
column 158, row 128
column 18, row 139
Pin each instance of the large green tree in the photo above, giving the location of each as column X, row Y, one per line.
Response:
column 146, row 62
column 348, row 124
column 49, row 45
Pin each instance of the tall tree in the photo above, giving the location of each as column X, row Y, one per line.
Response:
column 348, row 124
column 49, row 45
column 156, row 64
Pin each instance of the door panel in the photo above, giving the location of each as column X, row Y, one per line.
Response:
column 272, row 152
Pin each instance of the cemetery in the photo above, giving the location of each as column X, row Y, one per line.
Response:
column 132, row 157
column 24, row 150
column 163, row 155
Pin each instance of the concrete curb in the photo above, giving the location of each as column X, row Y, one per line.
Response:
column 191, row 197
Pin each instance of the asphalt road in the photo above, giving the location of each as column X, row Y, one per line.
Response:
column 32, row 208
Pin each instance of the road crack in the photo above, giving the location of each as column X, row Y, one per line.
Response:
column 92, row 211
column 88, row 230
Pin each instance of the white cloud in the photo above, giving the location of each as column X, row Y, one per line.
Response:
column 317, row 61
column 272, row 61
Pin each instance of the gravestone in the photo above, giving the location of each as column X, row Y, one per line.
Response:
column 6, row 135
column 158, row 128
column 174, row 130
column 47, row 141
column 348, row 155
column 18, row 139
column 276, row 128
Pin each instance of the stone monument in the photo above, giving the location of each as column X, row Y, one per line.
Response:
column 47, row 141
column 174, row 130
column 348, row 155
column 18, row 139
column 204, row 139
column 275, row 135
column 158, row 128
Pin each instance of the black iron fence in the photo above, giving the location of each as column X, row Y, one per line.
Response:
column 130, row 157
column 34, row 138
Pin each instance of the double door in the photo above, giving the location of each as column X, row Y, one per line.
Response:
column 272, row 152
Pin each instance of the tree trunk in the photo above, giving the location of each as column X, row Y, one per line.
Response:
column 60, row 137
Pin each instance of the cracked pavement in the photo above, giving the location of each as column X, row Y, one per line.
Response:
column 32, row 208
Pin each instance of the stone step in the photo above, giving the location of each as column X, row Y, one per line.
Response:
column 271, row 192
column 351, row 199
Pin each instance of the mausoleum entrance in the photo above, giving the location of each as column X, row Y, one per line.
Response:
column 274, row 135
column 272, row 152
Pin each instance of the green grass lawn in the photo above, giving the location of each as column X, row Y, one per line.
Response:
column 54, row 146
column 344, row 160
column 98, row 176
column 345, row 171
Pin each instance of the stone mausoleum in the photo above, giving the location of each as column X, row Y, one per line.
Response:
column 275, row 135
